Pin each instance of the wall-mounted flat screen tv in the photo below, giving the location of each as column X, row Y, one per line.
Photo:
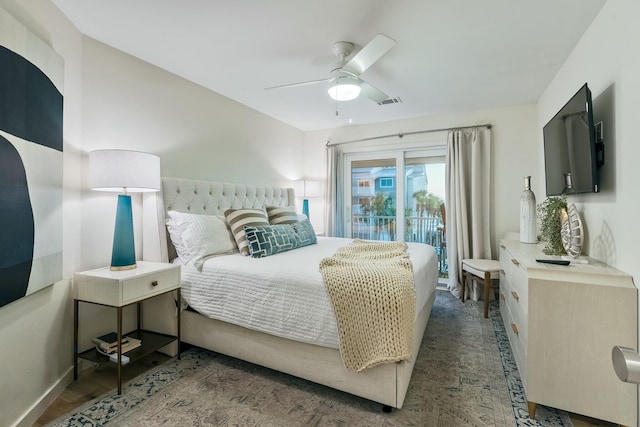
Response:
column 571, row 148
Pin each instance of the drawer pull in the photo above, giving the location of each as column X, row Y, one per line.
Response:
column 515, row 261
column 502, row 297
column 154, row 283
column 502, row 246
column 515, row 295
column 515, row 328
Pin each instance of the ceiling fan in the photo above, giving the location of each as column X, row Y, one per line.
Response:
column 345, row 83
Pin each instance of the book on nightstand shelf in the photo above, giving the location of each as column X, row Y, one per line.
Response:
column 108, row 343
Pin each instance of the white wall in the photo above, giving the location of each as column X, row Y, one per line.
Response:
column 37, row 331
column 514, row 154
column 130, row 104
column 607, row 59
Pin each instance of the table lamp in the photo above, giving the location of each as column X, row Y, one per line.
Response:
column 128, row 172
column 308, row 189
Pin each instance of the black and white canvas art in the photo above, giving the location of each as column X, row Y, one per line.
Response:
column 31, row 143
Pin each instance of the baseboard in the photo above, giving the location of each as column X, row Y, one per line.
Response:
column 38, row 408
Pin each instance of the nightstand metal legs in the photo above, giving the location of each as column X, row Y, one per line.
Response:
column 179, row 300
column 75, row 339
column 119, row 363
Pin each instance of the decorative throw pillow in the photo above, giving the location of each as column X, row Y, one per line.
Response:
column 238, row 219
column 196, row 237
column 270, row 239
column 282, row 215
column 305, row 234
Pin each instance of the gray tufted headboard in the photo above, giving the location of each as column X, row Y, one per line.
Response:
column 198, row 197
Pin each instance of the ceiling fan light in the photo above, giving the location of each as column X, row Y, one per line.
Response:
column 344, row 89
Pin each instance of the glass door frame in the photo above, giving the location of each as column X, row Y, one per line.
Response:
column 397, row 153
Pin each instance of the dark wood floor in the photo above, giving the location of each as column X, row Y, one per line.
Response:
column 94, row 382
column 97, row 381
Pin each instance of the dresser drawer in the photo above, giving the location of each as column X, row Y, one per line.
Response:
column 517, row 304
column 519, row 317
column 516, row 275
column 519, row 282
column 514, row 334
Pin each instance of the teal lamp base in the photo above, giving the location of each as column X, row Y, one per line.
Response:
column 305, row 207
column 123, row 255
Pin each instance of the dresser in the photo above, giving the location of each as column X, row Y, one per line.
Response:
column 562, row 323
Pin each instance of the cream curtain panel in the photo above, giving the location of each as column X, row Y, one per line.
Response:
column 468, row 199
column 333, row 192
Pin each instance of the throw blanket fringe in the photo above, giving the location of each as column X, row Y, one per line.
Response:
column 370, row 285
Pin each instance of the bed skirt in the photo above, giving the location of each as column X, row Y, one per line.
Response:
column 386, row 384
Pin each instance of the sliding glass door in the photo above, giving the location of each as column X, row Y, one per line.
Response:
column 373, row 199
column 424, row 207
column 397, row 196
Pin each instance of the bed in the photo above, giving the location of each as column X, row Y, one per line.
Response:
column 310, row 351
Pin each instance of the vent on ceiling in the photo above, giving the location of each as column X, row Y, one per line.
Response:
column 390, row 101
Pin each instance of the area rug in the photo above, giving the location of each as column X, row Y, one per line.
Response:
column 465, row 375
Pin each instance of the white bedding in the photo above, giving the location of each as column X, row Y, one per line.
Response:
column 283, row 294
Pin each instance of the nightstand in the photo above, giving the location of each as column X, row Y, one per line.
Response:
column 120, row 289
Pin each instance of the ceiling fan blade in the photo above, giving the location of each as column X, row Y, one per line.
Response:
column 310, row 82
column 369, row 54
column 372, row 93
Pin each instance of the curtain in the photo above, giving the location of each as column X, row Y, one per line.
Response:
column 333, row 192
column 467, row 202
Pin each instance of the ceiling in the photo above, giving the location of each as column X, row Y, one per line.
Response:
column 451, row 55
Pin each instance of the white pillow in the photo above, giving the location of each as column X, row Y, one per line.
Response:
column 197, row 237
column 175, row 225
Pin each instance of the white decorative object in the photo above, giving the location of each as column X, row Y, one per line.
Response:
column 528, row 214
column 571, row 231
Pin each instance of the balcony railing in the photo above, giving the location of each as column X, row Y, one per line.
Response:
column 363, row 191
column 423, row 229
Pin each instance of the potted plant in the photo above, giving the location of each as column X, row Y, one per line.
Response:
column 550, row 224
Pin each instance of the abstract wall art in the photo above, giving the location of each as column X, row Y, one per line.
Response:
column 31, row 144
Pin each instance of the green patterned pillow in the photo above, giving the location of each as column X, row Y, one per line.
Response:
column 270, row 239
column 238, row 219
column 282, row 215
column 305, row 233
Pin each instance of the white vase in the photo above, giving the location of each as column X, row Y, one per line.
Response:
column 528, row 214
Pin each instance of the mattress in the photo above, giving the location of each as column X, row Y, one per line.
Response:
column 284, row 294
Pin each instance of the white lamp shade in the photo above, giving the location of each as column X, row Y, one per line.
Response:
column 115, row 170
column 307, row 188
column 344, row 88
column 312, row 189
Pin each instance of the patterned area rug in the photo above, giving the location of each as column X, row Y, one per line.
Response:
column 465, row 375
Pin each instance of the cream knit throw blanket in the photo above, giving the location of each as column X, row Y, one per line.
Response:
column 370, row 285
